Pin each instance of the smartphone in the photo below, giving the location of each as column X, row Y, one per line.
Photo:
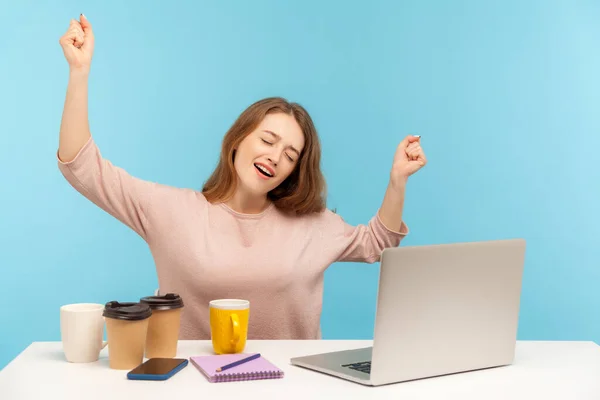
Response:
column 157, row 369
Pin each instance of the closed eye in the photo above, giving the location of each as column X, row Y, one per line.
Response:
column 271, row 144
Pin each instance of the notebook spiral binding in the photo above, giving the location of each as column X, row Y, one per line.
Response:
column 246, row 376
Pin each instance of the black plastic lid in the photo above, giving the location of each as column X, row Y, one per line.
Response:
column 167, row 302
column 127, row 311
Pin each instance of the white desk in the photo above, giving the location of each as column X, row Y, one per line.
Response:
column 542, row 370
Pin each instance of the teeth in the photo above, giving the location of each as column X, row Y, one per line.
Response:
column 266, row 171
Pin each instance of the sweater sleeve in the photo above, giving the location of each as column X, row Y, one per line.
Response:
column 360, row 243
column 111, row 188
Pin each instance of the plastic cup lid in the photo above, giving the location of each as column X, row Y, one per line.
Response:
column 127, row 311
column 168, row 301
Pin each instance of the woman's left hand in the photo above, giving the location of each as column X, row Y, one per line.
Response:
column 409, row 158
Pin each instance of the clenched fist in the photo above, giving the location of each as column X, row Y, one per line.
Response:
column 409, row 158
column 78, row 44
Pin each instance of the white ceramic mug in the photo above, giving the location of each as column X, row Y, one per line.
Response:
column 82, row 329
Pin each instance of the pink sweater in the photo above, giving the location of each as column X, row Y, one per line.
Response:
column 207, row 251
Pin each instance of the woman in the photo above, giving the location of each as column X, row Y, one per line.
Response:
column 259, row 230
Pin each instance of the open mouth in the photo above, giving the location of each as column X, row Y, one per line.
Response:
column 263, row 170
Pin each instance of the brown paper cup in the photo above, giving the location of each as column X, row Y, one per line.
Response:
column 163, row 333
column 163, row 328
column 126, row 329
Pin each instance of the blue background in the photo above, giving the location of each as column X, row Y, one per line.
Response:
column 505, row 95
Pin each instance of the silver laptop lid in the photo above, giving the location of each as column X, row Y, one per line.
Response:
column 446, row 308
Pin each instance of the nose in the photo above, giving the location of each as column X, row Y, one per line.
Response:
column 274, row 157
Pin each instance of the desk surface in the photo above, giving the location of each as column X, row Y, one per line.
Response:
column 542, row 370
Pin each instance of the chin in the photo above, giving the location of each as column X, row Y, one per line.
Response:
column 255, row 188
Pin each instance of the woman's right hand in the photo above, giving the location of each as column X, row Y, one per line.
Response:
column 78, row 44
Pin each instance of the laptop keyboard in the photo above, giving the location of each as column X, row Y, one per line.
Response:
column 364, row 366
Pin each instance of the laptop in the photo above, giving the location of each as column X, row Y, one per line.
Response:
column 441, row 309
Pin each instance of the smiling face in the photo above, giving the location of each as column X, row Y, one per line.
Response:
column 269, row 154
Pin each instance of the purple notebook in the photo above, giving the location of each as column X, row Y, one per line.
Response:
column 260, row 368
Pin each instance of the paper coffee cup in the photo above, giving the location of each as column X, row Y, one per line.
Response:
column 126, row 328
column 164, row 324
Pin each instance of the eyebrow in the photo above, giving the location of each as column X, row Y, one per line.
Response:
column 279, row 137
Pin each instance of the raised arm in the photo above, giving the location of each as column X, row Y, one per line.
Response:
column 409, row 158
column 78, row 46
column 123, row 196
column 365, row 242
